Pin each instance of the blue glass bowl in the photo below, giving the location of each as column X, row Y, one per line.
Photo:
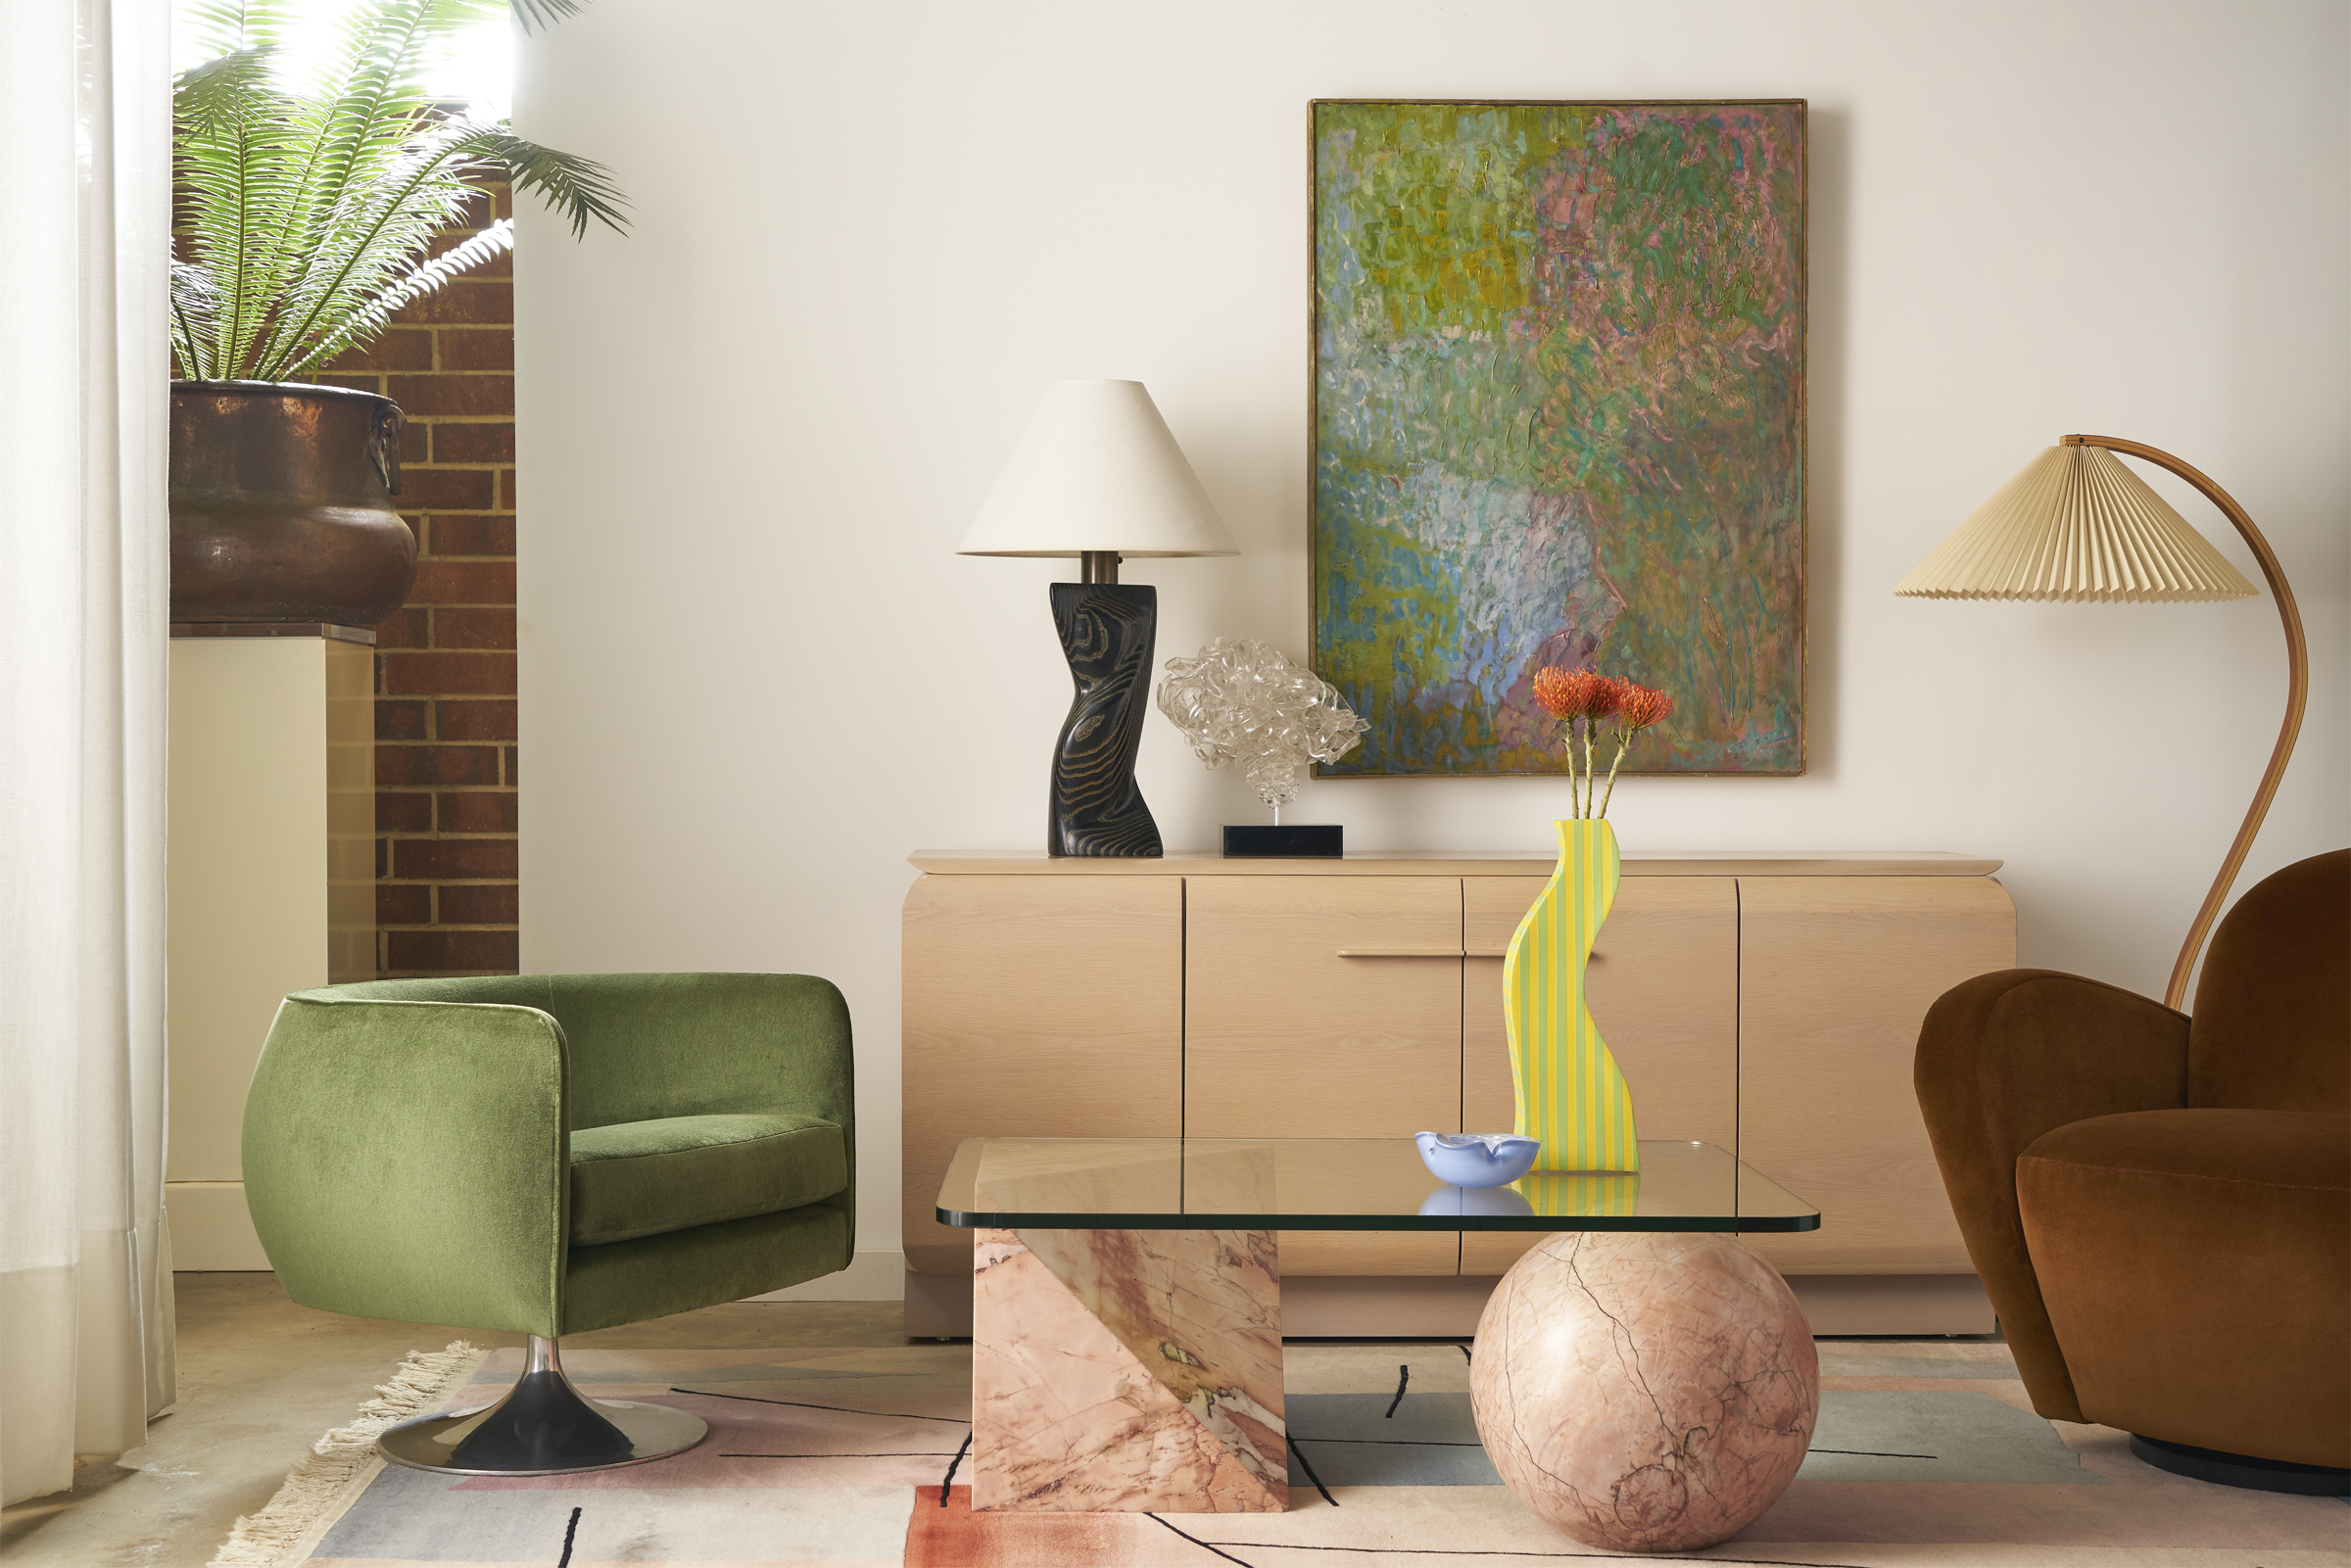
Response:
column 1476, row 1159
column 1494, row 1201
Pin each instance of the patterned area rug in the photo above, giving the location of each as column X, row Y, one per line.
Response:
column 1926, row 1455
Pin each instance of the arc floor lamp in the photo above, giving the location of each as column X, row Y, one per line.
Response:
column 2075, row 524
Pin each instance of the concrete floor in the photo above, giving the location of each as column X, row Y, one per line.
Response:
column 260, row 1378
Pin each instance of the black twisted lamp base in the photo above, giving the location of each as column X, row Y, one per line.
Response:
column 1107, row 632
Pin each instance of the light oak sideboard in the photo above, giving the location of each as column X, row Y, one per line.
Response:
column 1768, row 1002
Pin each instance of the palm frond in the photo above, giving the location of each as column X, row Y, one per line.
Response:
column 529, row 14
column 206, row 99
column 372, row 315
column 229, row 155
column 575, row 187
column 425, row 191
column 365, row 245
column 309, row 217
column 205, row 30
column 371, row 92
column 357, row 268
column 363, row 117
column 195, row 307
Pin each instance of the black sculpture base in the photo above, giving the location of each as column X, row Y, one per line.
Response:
column 1107, row 631
column 1324, row 840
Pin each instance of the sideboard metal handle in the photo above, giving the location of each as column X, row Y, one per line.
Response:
column 1437, row 952
column 1595, row 957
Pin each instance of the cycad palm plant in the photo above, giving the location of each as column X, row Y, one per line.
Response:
column 307, row 217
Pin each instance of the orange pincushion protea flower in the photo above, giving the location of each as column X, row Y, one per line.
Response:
column 1571, row 695
column 1559, row 693
column 1640, row 706
column 1637, row 707
column 1576, row 693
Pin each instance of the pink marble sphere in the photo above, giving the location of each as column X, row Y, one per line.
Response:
column 1645, row 1391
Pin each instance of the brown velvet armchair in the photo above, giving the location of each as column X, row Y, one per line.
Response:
column 2159, row 1204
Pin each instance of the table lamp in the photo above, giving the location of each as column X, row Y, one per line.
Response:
column 2075, row 524
column 1097, row 476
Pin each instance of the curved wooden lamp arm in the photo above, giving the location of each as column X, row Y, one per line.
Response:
column 2297, row 656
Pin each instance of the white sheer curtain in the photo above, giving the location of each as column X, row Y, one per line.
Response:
column 85, row 1282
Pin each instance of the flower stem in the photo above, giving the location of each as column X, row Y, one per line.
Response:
column 1590, row 724
column 1624, row 740
column 1575, row 801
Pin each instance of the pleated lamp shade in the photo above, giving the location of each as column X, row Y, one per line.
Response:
column 1097, row 469
column 2075, row 525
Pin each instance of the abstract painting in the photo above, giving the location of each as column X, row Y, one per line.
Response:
column 1559, row 391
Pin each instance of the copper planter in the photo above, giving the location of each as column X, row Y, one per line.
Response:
column 281, row 504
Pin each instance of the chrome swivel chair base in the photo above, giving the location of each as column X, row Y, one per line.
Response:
column 543, row 1426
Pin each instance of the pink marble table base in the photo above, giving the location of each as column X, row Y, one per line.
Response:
column 1645, row 1391
column 1127, row 1370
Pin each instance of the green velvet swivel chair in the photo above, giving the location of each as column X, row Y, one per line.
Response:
column 548, row 1153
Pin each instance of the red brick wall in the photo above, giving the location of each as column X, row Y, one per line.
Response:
column 446, row 895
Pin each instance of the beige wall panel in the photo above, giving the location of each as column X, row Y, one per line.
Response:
column 248, row 866
column 212, row 1232
column 1837, row 974
column 1284, row 1038
column 1043, row 1007
column 1665, row 991
column 272, row 872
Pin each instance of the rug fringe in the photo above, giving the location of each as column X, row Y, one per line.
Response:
column 266, row 1540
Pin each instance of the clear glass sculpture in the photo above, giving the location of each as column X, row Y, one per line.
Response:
column 1242, row 701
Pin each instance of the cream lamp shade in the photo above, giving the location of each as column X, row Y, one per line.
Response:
column 2075, row 525
column 1097, row 470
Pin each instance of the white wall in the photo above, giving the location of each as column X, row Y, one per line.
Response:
column 755, row 675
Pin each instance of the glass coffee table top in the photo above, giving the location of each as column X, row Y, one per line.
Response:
column 1341, row 1184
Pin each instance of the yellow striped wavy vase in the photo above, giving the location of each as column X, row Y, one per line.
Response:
column 1571, row 1095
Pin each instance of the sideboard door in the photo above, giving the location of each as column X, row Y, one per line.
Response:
column 1285, row 1038
column 1836, row 973
column 1663, row 983
column 1035, row 1006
